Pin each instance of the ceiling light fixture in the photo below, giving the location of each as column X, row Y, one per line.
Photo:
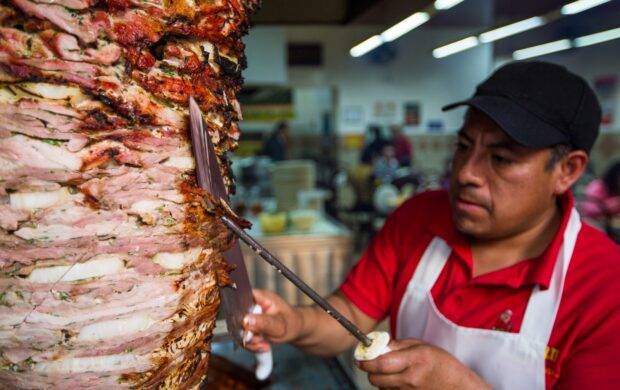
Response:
column 539, row 50
column 600, row 37
column 490, row 36
column 404, row 26
column 455, row 47
column 401, row 28
column 580, row 6
column 446, row 4
column 511, row 29
column 396, row 31
column 366, row 46
column 528, row 24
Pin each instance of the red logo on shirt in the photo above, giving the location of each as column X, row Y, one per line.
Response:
column 504, row 323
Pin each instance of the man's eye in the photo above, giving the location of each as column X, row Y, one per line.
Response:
column 460, row 146
column 501, row 159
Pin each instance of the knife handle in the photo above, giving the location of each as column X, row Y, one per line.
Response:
column 264, row 360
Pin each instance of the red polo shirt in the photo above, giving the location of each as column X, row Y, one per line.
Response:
column 585, row 341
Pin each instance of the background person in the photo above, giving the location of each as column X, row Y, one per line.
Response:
column 495, row 283
column 385, row 165
column 276, row 145
column 601, row 203
column 374, row 146
column 403, row 151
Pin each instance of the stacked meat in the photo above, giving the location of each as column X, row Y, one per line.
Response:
column 109, row 263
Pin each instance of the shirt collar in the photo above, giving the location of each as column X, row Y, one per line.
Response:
column 533, row 271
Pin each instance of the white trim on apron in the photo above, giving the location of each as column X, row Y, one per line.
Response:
column 504, row 360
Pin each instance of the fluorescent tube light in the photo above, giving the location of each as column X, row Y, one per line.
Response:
column 579, row 6
column 396, row 31
column 543, row 49
column 366, row 46
column 404, row 26
column 511, row 29
column 446, row 4
column 455, row 47
column 593, row 39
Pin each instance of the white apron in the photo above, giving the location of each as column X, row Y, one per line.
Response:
column 504, row 360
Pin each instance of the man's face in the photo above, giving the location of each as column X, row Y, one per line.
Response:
column 498, row 188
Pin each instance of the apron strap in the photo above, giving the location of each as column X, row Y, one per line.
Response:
column 412, row 314
column 432, row 262
column 543, row 306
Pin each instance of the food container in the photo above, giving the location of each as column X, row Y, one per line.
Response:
column 303, row 219
column 312, row 199
column 272, row 222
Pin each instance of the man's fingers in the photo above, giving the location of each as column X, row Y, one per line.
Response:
column 383, row 381
column 258, row 323
column 260, row 294
column 391, row 363
column 267, row 325
column 256, row 338
column 266, row 299
column 387, row 371
column 257, row 346
column 395, row 345
column 404, row 353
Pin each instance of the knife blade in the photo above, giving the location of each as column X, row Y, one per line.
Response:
column 236, row 299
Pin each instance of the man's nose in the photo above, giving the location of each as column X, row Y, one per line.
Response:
column 471, row 170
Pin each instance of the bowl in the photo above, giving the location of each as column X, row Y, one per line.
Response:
column 303, row 219
column 272, row 222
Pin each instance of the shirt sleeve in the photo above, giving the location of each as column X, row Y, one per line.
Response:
column 590, row 317
column 594, row 364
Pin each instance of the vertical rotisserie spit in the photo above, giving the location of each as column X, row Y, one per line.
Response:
column 109, row 263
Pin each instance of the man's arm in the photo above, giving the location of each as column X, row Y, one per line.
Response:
column 307, row 327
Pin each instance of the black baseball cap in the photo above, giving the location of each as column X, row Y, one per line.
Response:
column 539, row 104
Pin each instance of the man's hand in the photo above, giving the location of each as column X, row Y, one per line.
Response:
column 278, row 323
column 307, row 327
column 413, row 364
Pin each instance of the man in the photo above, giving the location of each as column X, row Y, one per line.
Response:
column 402, row 146
column 374, row 146
column 275, row 146
column 495, row 283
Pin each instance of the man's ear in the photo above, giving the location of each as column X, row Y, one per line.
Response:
column 569, row 170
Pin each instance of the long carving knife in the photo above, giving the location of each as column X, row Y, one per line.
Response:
column 238, row 305
column 236, row 299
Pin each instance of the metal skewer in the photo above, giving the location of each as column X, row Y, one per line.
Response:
column 290, row 275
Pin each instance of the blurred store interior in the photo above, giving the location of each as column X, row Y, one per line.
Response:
column 301, row 73
column 319, row 98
